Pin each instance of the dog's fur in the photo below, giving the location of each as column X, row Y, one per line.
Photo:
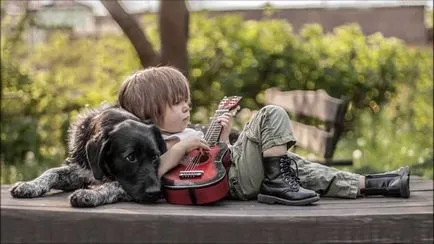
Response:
column 113, row 157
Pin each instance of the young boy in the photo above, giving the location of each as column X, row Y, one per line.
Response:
column 262, row 168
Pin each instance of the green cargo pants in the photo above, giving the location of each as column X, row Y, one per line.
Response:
column 270, row 127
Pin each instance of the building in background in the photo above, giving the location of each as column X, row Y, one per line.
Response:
column 50, row 15
column 67, row 14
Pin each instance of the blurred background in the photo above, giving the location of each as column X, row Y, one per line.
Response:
column 60, row 57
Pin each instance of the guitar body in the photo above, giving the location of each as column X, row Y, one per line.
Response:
column 200, row 178
column 204, row 183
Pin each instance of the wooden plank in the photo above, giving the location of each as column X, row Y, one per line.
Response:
column 316, row 104
column 421, row 185
column 50, row 219
column 311, row 138
column 343, row 206
column 421, row 191
column 95, row 227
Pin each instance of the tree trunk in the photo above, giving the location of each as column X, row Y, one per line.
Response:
column 174, row 21
column 132, row 30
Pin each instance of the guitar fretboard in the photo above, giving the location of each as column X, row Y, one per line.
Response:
column 215, row 128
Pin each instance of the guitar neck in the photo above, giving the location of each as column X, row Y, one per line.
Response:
column 226, row 104
column 213, row 133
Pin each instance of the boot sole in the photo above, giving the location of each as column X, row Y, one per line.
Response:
column 272, row 200
column 405, row 182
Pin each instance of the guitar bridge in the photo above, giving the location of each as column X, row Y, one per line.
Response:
column 190, row 173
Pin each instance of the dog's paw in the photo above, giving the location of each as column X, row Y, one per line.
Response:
column 85, row 198
column 26, row 190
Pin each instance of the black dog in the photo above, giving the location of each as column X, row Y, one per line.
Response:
column 112, row 153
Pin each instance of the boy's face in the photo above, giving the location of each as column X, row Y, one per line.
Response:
column 176, row 117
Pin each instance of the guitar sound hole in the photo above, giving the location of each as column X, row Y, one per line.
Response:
column 203, row 158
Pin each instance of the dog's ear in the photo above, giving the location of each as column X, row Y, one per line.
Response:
column 95, row 151
column 159, row 139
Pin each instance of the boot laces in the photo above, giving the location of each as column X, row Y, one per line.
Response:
column 290, row 175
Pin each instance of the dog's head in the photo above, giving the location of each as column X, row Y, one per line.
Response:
column 129, row 152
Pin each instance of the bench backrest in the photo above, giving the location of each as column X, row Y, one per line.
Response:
column 326, row 113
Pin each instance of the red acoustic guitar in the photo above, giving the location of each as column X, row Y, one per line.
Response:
column 201, row 178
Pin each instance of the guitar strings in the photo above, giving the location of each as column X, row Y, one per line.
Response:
column 210, row 134
column 195, row 160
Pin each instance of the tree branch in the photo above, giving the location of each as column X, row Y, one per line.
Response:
column 132, row 30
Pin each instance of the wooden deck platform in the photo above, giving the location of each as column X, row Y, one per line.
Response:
column 367, row 220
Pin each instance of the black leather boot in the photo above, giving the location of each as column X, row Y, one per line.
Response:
column 389, row 184
column 282, row 185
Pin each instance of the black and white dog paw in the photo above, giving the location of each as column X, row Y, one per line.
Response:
column 27, row 190
column 85, row 198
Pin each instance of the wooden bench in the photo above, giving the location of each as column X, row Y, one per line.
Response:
column 317, row 120
column 50, row 219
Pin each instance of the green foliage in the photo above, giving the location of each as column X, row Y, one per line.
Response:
column 402, row 132
column 231, row 56
column 44, row 90
column 395, row 136
column 389, row 86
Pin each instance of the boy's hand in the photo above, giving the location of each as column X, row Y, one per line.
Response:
column 190, row 144
column 176, row 153
column 226, row 122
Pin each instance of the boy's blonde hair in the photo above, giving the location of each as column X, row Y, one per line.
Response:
column 146, row 93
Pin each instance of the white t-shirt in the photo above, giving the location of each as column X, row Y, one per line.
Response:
column 188, row 132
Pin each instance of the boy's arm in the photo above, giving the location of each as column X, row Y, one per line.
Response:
column 173, row 156
column 170, row 159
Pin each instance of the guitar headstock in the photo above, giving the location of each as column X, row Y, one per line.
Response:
column 229, row 103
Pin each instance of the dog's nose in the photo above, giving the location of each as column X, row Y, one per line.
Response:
column 153, row 191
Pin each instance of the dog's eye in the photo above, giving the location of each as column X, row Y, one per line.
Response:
column 131, row 157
